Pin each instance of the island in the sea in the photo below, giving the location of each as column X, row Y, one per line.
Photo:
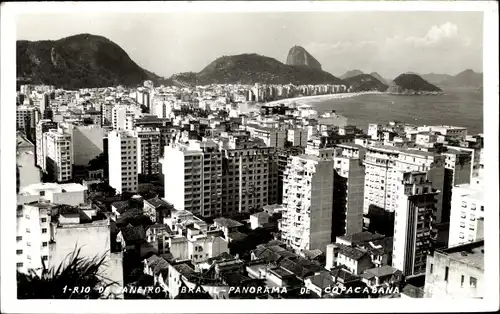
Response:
column 412, row 84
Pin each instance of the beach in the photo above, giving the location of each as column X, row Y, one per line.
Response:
column 318, row 98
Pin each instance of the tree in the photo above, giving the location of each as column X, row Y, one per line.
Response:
column 55, row 283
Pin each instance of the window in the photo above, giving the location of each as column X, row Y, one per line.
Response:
column 446, row 270
column 43, row 219
column 27, row 230
column 44, row 230
column 19, row 238
column 473, row 282
column 42, row 193
column 432, row 268
column 462, row 281
column 44, row 244
column 45, row 257
column 19, row 252
column 19, row 264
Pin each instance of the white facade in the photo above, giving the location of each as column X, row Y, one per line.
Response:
column 413, row 223
column 308, row 197
column 382, row 167
column 59, row 155
column 122, row 160
column 193, row 177
column 42, row 127
column 70, row 193
column 24, row 115
column 122, row 118
column 33, row 236
column 467, row 213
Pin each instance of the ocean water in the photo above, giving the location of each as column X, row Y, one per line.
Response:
column 457, row 107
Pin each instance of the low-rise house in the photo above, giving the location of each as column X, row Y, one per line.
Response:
column 131, row 238
column 157, row 267
column 227, row 225
column 259, row 219
column 354, row 259
column 321, row 283
column 158, row 235
column 157, row 209
column 384, row 276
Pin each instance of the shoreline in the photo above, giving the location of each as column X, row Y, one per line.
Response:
column 305, row 100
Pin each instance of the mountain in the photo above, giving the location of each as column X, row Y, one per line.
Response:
column 467, row 78
column 78, row 61
column 380, row 78
column 299, row 56
column 412, row 84
column 351, row 73
column 254, row 68
column 436, row 79
column 365, row 82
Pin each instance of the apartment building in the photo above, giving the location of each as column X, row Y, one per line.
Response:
column 193, row 177
column 413, row 224
column 458, row 170
column 33, row 236
column 456, row 272
column 383, row 163
column 123, row 161
column 280, row 162
column 467, row 213
column 450, row 132
column 308, row 197
column 297, row 137
column 58, row 152
column 349, row 180
column 148, row 150
column 26, row 117
column 272, row 137
column 249, row 177
column 122, row 117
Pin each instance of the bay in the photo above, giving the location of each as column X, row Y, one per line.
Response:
column 457, row 107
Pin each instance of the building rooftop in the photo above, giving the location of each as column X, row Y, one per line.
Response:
column 322, row 280
column 470, row 253
column 23, row 142
column 361, row 237
column 35, row 189
column 226, row 222
column 382, row 271
column 157, row 202
column 351, row 252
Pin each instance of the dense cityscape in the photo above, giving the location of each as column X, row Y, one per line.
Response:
column 237, row 191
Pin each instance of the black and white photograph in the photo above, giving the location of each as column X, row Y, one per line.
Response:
column 306, row 153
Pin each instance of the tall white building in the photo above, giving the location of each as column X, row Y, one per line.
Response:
column 59, row 155
column 383, row 163
column 467, row 213
column 122, row 118
column 33, row 236
column 123, row 161
column 148, row 150
column 193, row 177
column 25, row 117
column 42, row 127
column 308, row 198
column 413, row 222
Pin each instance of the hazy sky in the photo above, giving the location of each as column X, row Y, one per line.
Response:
column 389, row 43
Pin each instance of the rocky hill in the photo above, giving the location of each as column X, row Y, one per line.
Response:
column 299, row 56
column 78, row 61
column 351, row 73
column 254, row 68
column 365, row 82
column 412, row 84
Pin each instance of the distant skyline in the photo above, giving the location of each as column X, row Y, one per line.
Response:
column 389, row 43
